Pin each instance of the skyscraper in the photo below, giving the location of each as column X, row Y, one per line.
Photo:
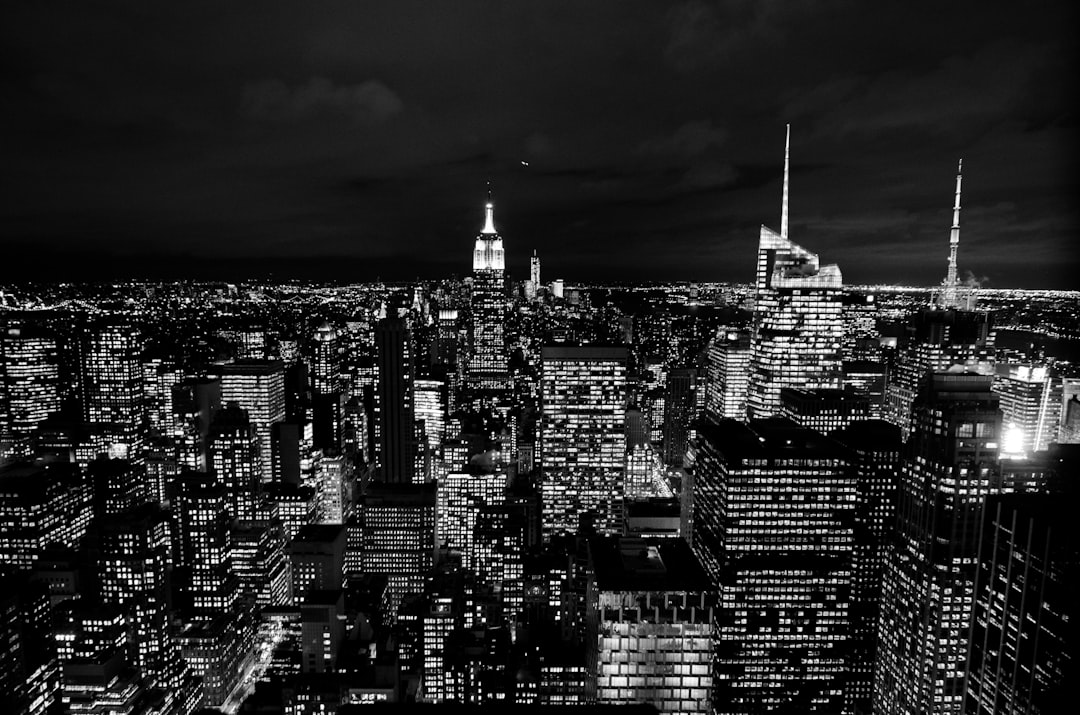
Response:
column 680, row 393
column 395, row 401
column 1030, row 406
column 773, row 522
column 582, row 437
column 258, row 386
column 651, row 623
column 397, row 525
column 948, row 468
column 487, row 364
column 112, row 389
column 29, row 380
column 797, row 328
column 234, row 456
column 727, row 375
column 534, row 273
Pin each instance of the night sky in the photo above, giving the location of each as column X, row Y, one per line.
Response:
column 349, row 140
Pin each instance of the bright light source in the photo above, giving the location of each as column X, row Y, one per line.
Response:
column 1012, row 443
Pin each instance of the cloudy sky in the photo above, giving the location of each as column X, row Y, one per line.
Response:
column 629, row 139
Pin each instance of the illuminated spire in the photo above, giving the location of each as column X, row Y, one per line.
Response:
column 787, row 165
column 489, row 215
column 950, row 297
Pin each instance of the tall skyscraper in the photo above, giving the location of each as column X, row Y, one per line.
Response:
column 773, row 523
column 29, row 380
column 534, row 272
column 397, row 525
column 1023, row 633
column 488, row 305
column 395, row 401
column 797, row 328
column 328, row 389
column 680, row 412
column 727, row 375
column 461, row 497
column 875, row 445
column 112, row 388
column 234, row 457
column 949, row 467
column 40, row 505
column 582, row 437
column 258, row 386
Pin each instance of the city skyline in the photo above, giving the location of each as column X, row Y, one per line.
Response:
column 629, row 142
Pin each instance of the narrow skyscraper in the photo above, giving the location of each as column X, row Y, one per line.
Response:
column 487, row 365
column 797, row 328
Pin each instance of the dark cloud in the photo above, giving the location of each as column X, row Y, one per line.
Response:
column 273, row 100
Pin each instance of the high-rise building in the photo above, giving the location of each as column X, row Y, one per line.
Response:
column 1069, row 424
column 112, row 386
column 395, row 401
column 727, row 374
column 680, row 412
column 488, row 304
column 773, row 525
column 397, row 524
column 133, row 563
column 582, row 437
column 202, row 524
column 318, row 559
column 328, row 389
column 1030, row 408
column 875, row 445
column 258, row 386
column 461, row 497
column 1023, row 633
column 948, row 468
column 651, row 622
column 797, row 328
column 234, row 458
column 29, row 380
column 935, row 341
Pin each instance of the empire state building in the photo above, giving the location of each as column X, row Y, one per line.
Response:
column 487, row 364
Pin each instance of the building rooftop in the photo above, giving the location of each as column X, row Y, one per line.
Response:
column 770, row 438
column 623, row 563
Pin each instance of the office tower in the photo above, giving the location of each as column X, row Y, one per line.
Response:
column 29, row 380
column 395, row 401
column 680, row 400
column 642, row 463
column 261, row 564
column 936, row 340
column 333, row 487
column 823, row 409
column 328, row 389
column 40, row 505
column 258, row 386
column 112, row 389
column 797, row 328
column 1030, row 408
column 582, row 437
column 727, row 375
column 28, row 660
column 322, row 616
column 651, row 623
column 500, row 539
column 397, row 523
column 487, row 305
column 318, row 559
column 875, row 445
column 1023, row 632
column 948, row 468
column 461, row 497
column 133, row 563
column 557, row 286
column 160, row 375
column 431, row 409
column 202, row 519
column 773, row 522
column 234, row 458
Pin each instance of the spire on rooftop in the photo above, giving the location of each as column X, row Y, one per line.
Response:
column 489, row 214
column 784, row 205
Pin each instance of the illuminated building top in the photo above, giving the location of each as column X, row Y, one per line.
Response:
column 488, row 254
column 952, row 294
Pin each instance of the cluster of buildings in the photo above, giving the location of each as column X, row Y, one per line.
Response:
column 527, row 494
